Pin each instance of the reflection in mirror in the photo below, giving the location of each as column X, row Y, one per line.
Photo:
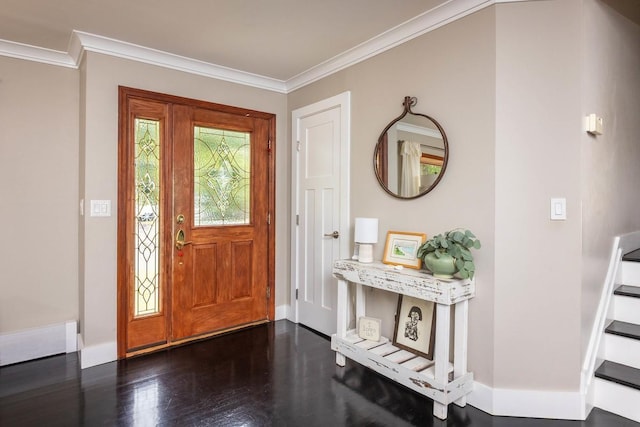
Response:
column 411, row 155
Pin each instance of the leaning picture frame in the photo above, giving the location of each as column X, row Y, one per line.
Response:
column 415, row 326
column 401, row 248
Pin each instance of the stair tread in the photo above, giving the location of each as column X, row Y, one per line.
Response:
column 632, row 256
column 624, row 329
column 620, row 374
column 628, row 291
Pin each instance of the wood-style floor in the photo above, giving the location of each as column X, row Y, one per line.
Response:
column 278, row 374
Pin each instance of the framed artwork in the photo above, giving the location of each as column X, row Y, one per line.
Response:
column 415, row 327
column 401, row 248
column 369, row 328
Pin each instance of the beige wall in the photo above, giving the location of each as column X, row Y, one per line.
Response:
column 610, row 172
column 103, row 74
column 538, row 261
column 510, row 85
column 451, row 72
column 38, row 194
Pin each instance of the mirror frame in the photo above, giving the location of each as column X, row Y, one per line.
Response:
column 407, row 104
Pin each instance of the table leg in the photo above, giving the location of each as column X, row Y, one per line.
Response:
column 443, row 326
column 342, row 313
column 461, row 332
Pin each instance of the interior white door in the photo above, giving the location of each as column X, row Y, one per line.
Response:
column 320, row 204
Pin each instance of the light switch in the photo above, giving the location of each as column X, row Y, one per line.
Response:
column 558, row 209
column 100, row 207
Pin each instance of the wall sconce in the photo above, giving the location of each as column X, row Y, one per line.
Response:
column 365, row 236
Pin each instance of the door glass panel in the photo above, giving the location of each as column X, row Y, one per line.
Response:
column 147, row 194
column 222, row 177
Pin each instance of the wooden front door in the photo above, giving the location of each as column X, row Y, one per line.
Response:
column 196, row 221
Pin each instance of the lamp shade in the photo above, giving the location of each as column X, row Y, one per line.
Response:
column 366, row 230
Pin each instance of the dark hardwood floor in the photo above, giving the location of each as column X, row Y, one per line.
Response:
column 278, row 374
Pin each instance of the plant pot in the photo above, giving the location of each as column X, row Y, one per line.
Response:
column 443, row 267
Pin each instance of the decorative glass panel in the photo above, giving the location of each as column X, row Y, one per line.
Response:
column 222, row 177
column 147, row 214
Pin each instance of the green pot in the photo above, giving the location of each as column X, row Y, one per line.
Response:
column 443, row 267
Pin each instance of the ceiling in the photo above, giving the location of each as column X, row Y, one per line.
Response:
column 282, row 43
column 278, row 39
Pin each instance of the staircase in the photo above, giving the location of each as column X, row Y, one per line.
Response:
column 617, row 379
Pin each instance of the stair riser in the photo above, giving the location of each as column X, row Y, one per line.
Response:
column 622, row 350
column 630, row 273
column 626, row 309
column 617, row 398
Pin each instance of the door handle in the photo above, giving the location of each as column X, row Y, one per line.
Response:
column 180, row 243
column 335, row 235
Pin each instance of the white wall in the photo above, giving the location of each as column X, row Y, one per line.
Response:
column 38, row 194
column 610, row 162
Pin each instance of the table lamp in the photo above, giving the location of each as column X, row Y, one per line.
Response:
column 365, row 236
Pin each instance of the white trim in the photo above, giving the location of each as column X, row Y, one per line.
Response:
column 589, row 363
column 420, row 130
column 121, row 49
column 428, row 21
column 342, row 101
column 36, row 54
column 616, row 398
column 98, row 354
column 81, row 42
column 621, row 245
column 281, row 312
column 37, row 342
column 568, row 405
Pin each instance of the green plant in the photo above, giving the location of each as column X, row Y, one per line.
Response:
column 457, row 243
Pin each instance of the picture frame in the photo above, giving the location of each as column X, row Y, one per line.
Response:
column 401, row 248
column 415, row 326
column 369, row 328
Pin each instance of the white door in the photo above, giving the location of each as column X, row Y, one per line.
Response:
column 320, row 200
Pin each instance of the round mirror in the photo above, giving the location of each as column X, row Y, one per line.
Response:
column 411, row 155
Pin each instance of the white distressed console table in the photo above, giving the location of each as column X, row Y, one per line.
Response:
column 438, row 379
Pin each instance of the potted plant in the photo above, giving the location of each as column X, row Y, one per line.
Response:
column 449, row 253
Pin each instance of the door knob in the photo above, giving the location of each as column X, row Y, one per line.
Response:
column 335, row 235
column 180, row 243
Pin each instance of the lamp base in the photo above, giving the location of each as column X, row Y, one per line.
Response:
column 365, row 252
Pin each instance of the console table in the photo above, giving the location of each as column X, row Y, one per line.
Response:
column 438, row 379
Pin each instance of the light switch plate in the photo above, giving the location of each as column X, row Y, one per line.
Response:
column 100, row 207
column 558, row 209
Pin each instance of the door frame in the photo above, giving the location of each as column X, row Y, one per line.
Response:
column 123, row 263
column 343, row 102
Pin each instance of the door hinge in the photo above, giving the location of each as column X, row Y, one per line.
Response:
column 296, row 293
column 297, row 219
column 298, row 146
column 269, row 218
column 268, row 292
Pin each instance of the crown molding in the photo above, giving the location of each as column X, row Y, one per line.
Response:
column 125, row 50
column 36, row 54
column 81, row 42
column 428, row 21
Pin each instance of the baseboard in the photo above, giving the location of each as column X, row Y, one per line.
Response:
column 97, row 354
column 38, row 342
column 528, row 403
column 282, row 312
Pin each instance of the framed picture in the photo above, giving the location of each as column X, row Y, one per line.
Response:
column 369, row 328
column 402, row 249
column 415, row 327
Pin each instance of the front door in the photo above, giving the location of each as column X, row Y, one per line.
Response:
column 321, row 205
column 195, row 219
